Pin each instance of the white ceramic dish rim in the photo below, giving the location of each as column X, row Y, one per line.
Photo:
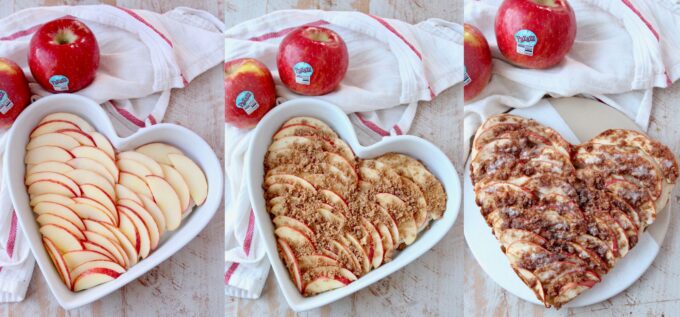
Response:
column 430, row 155
column 486, row 250
column 186, row 140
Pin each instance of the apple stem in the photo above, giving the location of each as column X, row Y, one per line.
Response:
column 64, row 36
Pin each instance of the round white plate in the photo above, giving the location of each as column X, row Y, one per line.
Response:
column 586, row 118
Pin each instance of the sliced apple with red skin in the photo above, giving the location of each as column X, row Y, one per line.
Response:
column 93, row 277
column 54, row 178
column 58, row 261
column 310, row 261
column 128, row 228
column 147, row 218
column 101, row 196
column 336, row 218
column 145, row 160
column 167, row 200
column 79, row 122
column 109, row 245
column 75, row 258
column 408, row 230
column 123, row 192
column 280, row 221
column 180, row 186
column 324, row 284
column 80, row 136
column 193, row 176
column 63, row 239
column 391, row 225
column 519, row 250
column 364, row 254
column 90, row 212
column 486, row 191
column 144, row 235
column 594, row 244
column 294, row 237
column 92, row 165
column 136, row 184
column 509, row 236
column 51, row 218
column 128, row 246
column 53, row 198
column 52, row 126
column 98, row 263
column 155, row 212
column 97, row 205
column 49, row 166
column 376, row 241
column 333, row 199
column 83, row 177
column 53, row 139
column 99, row 156
column 296, row 130
column 133, row 167
column 387, row 241
column 627, row 191
column 59, row 210
column 159, row 152
column 100, row 228
column 50, row 187
column 343, row 251
column 309, row 121
column 47, row 153
column 291, row 262
column 332, row 271
column 102, row 143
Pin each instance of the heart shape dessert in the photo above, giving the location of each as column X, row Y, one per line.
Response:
column 565, row 214
column 103, row 209
column 418, row 149
column 337, row 216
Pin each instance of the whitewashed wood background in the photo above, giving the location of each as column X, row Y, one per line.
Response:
column 433, row 284
column 188, row 283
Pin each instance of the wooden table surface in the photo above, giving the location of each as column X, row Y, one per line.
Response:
column 188, row 283
column 433, row 284
column 656, row 293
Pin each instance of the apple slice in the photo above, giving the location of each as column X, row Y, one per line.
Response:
column 324, row 284
column 334, row 200
column 53, row 198
column 93, row 203
column 50, row 218
column 50, row 187
column 83, row 177
column 99, row 195
column 101, row 142
column 159, row 152
column 147, row 218
column 49, row 166
column 343, row 251
column 144, row 235
column 98, row 263
column 167, row 200
column 308, row 121
column 290, row 180
column 180, row 186
column 155, row 212
column 52, row 126
column 92, row 165
column 388, row 243
column 47, row 153
column 123, row 192
column 127, row 228
column 93, row 277
column 133, row 167
column 80, row 136
column 99, row 156
column 79, row 122
column 55, row 178
column 48, row 207
column 291, row 262
column 364, row 255
column 136, row 184
column 193, row 175
column 107, row 244
column 58, row 261
column 408, row 230
column 281, row 221
column 90, row 212
column 294, row 237
column 127, row 245
column 75, row 258
column 100, row 228
column 148, row 162
column 315, row 260
column 92, row 246
column 63, row 239
column 53, row 139
column 376, row 241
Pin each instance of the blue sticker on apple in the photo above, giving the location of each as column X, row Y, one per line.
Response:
column 526, row 40
column 246, row 101
column 59, row 82
column 303, row 73
column 5, row 103
column 466, row 78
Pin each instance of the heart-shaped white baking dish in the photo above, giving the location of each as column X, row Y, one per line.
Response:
column 433, row 158
column 192, row 145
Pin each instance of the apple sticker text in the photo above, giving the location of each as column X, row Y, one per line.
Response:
column 246, row 101
column 303, row 73
column 466, row 79
column 526, row 40
column 5, row 103
column 59, row 82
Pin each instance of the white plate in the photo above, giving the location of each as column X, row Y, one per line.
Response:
column 426, row 152
column 589, row 118
column 192, row 145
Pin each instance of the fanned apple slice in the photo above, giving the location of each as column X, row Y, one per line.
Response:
column 99, row 227
column 307, row 262
column 63, row 239
column 53, row 198
column 58, row 209
column 98, row 264
column 99, row 156
column 58, row 260
column 109, row 245
column 323, row 284
column 49, row 187
column 509, row 236
column 97, row 205
column 133, row 167
column 406, row 224
column 93, row 277
column 101, row 196
column 53, row 139
column 308, row 121
column 159, row 152
column 376, row 241
column 52, row 126
column 102, row 143
column 90, row 212
column 82, row 137
column 123, row 192
column 294, row 237
column 47, row 153
column 147, row 218
column 343, row 252
column 148, row 162
column 127, row 245
column 176, row 180
column 78, row 257
column 76, row 120
column 193, row 175
column 136, row 184
column 144, row 235
column 291, row 262
column 128, row 228
column 50, row 218
column 281, row 221
column 84, row 177
column 49, row 166
column 94, row 166
column 155, row 212
column 54, row 178
column 167, row 200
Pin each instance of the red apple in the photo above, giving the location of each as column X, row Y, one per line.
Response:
column 535, row 33
column 477, row 62
column 312, row 60
column 249, row 92
column 14, row 92
column 63, row 55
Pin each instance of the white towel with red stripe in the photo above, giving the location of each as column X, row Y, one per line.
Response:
column 393, row 65
column 623, row 49
column 144, row 55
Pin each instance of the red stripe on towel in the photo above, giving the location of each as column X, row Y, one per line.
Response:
column 127, row 115
column 374, row 127
column 12, row 235
column 285, row 31
column 21, row 33
column 140, row 19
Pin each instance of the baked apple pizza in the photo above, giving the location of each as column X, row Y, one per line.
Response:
column 337, row 216
column 565, row 214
